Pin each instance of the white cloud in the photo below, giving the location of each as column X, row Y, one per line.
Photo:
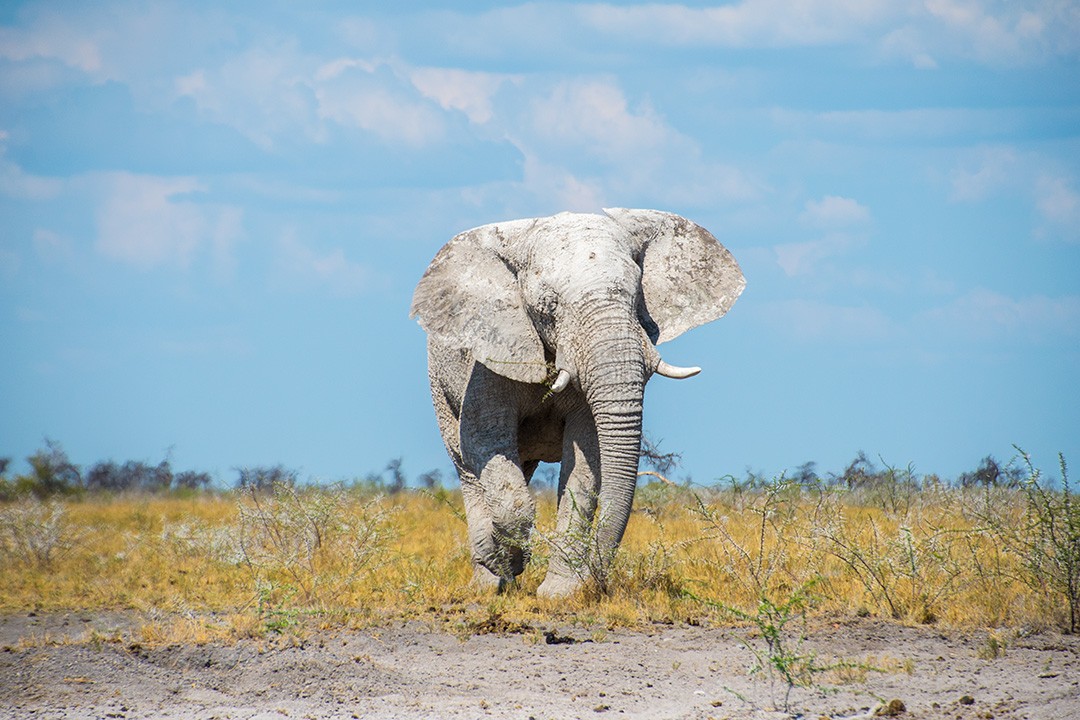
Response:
column 930, row 282
column 988, row 35
column 1059, row 206
column 560, row 189
column 998, row 171
column 833, row 211
column 923, row 61
column 806, row 258
column 52, row 247
column 335, row 68
column 1056, row 200
column 529, row 28
column 52, row 37
column 227, row 231
column 919, row 124
column 988, row 315
column 839, row 217
column 589, row 127
column 265, row 92
column 363, row 33
column 811, row 320
column 332, row 270
column 193, row 85
column 595, row 116
column 144, row 221
column 925, row 33
column 277, row 95
column 751, row 23
column 137, row 44
column 993, row 32
column 466, row 91
column 16, row 183
column 375, row 98
column 989, row 171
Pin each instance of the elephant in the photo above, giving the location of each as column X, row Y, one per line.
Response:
column 542, row 333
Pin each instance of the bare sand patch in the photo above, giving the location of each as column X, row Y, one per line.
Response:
column 79, row 665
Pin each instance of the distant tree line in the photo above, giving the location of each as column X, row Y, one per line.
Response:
column 863, row 474
column 52, row 473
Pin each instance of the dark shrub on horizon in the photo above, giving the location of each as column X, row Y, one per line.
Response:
column 262, row 477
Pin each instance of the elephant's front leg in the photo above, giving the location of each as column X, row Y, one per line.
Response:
column 500, row 510
column 500, row 514
column 513, row 512
column 481, row 531
column 579, row 488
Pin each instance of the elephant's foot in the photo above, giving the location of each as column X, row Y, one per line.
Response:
column 485, row 580
column 510, row 551
column 498, row 556
column 558, row 586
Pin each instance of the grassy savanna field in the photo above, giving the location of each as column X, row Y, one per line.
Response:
column 209, row 566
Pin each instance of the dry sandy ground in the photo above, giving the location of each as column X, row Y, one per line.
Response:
column 417, row 671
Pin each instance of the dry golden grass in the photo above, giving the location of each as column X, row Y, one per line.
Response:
column 209, row 567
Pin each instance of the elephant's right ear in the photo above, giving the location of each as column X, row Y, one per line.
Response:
column 469, row 299
column 687, row 277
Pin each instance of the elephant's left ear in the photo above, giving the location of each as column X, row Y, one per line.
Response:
column 687, row 277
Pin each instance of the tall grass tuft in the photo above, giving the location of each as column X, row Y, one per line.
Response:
column 35, row 534
column 1040, row 525
column 307, row 544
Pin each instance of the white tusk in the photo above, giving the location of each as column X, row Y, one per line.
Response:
column 560, row 382
column 674, row 371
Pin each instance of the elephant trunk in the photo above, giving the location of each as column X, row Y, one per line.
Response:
column 613, row 379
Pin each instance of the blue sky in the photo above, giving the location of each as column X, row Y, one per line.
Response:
column 212, row 218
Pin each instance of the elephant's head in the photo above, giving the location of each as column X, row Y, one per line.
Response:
column 589, row 296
